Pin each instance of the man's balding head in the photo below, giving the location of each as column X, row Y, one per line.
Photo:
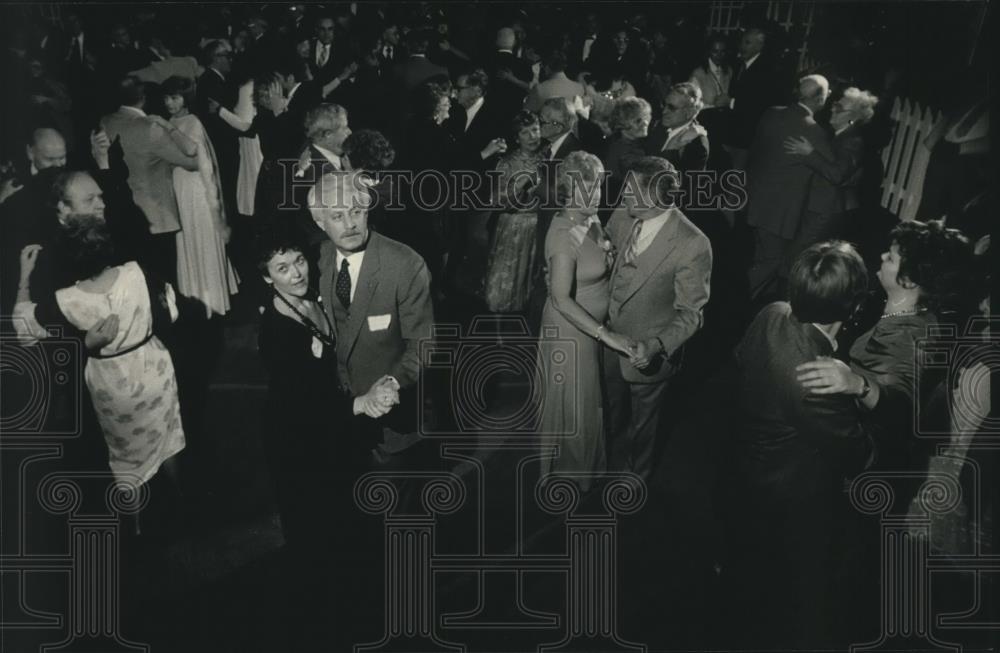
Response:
column 506, row 38
column 752, row 43
column 46, row 149
column 813, row 91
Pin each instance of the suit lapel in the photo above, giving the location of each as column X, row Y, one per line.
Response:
column 650, row 259
column 367, row 282
column 327, row 270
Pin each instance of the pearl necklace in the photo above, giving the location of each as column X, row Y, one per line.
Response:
column 909, row 311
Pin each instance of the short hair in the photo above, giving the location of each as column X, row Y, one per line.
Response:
column 131, row 91
column 578, row 166
column 565, row 109
column 692, row 92
column 938, row 260
column 555, row 61
column 506, row 38
column 862, row 103
column 369, row 150
column 213, row 48
column 339, row 191
column 418, row 41
column 34, row 135
column 182, row 86
column 523, row 120
column 57, row 180
column 627, row 110
column 658, row 175
column 812, row 86
column 827, row 283
column 279, row 238
column 320, row 119
column 477, row 77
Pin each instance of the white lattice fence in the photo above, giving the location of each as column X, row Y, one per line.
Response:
column 905, row 158
column 725, row 16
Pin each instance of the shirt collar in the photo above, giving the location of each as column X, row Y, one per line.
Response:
column 505, row 50
column 808, row 110
column 672, row 131
column 652, row 226
column 330, row 156
column 842, row 130
column 354, row 260
column 221, row 76
column 832, row 341
column 556, row 144
column 471, row 112
column 713, row 67
column 748, row 62
column 134, row 110
column 292, row 92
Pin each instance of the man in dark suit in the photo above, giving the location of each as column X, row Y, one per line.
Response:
column 416, row 68
column 377, row 293
column 327, row 56
column 215, row 87
column 678, row 137
column 756, row 86
column 659, row 285
column 46, row 148
column 326, row 129
column 793, row 450
column 151, row 152
column 778, row 181
column 510, row 76
column 473, row 118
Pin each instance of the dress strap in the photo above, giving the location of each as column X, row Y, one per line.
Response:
column 327, row 339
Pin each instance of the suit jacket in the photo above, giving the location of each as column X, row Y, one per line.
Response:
column 834, row 187
column 484, row 128
column 666, row 296
column 778, row 182
column 686, row 150
column 150, row 155
column 791, row 443
column 509, row 97
column 337, row 60
column 224, row 138
column 381, row 333
column 753, row 90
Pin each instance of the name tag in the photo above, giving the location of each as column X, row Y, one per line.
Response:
column 379, row 322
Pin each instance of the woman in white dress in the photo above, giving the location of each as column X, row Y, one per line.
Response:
column 203, row 269
column 129, row 372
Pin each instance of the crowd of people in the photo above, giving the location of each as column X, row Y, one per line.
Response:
column 279, row 158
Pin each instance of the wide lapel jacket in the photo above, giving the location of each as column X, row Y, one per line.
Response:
column 651, row 258
column 367, row 283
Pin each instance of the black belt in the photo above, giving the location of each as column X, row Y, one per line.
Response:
column 125, row 351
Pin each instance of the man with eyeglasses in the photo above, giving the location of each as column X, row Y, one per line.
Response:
column 679, row 138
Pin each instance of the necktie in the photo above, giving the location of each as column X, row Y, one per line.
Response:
column 632, row 250
column 324, row 53
column 343, row 287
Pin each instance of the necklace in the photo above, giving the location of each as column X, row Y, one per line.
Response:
column 909, row 311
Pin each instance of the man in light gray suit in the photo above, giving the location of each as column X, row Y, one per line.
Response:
column 377, row 293
column 659, row 285
column 153, row 147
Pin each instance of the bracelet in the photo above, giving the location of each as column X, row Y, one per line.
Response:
column 600, row 330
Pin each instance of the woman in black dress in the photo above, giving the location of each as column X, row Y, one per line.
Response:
column 315, row 446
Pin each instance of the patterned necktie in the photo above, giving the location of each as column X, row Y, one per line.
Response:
column 343, row 287
column 632, row 250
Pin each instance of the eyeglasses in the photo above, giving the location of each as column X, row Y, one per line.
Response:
column 554, row 123
column 671, row 107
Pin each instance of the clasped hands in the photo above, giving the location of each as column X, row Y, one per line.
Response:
column 380, row 398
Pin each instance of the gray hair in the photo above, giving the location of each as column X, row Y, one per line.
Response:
column 565, row 109
column 812, row 87
column 860, row 103
column 627, row 110
column 578, row 167
column 337, row 192
column 323, row 118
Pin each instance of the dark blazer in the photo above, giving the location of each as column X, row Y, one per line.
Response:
column 834, row 187
column 335, row 63
column 224, row 138
column 666, row 295
column 692, row 155
column 791, row 443
column 508, row 97
column 389, row 317
column 752, row 91
column 485, row 127
column 416, row 70
column 778, row 182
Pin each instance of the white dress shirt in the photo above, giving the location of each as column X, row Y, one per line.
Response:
column 471, row 112
column 650, row 227
column 330, row 156
column 556, row 144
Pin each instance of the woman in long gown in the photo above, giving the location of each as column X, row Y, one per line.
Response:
column 508, row 272
column 578, row 257
column 203, row 268
column 131, row 375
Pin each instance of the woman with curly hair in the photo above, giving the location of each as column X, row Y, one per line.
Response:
column 925, row 275
column 630, row 119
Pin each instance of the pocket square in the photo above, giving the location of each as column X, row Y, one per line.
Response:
column 379, row 322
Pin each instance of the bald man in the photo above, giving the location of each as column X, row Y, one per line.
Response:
column 778, row 182
column 510, row 77
column 46, row 148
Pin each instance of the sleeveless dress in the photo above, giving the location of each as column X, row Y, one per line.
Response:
column 203, row 269
column 572, row 414
column 133, row 385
